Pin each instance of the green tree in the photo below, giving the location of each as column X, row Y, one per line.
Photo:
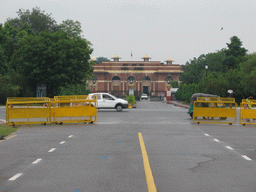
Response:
column 53, row 59
column 248, row 72
column 101, row 59
column 175, row 84
column 38, row 20
column 234, row 54
column 78, row 89
column 8, row 87
column 194, row 70
column 72, row 28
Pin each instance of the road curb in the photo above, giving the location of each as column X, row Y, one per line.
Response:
column 179, row 104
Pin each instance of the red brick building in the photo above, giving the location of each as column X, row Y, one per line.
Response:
column 118, row 77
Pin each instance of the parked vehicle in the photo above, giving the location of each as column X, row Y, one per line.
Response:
column 194, row 98
column 144, row 96
column 108, row 101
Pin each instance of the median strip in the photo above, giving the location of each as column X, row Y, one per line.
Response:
column 148, row 171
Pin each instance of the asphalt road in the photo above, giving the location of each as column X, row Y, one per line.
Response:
column 107, row 156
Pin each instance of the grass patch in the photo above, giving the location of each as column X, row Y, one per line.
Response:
column 5, row 131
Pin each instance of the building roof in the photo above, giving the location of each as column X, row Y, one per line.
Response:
column 116, row 57
column 169, row 59
column 93, row 59
column 146, row 57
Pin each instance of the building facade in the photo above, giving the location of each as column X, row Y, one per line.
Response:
column 137, row 77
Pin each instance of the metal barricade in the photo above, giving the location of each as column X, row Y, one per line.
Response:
column 28, row 110
column 247, row 112
column 214, row 110
column 75, row 109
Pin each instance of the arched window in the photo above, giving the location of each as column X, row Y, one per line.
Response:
column 146, row 78
column 94, row 79
column 168, row 78
column 116, row 78
column 131, row 78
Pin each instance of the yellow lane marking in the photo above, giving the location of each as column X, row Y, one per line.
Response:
column 148, row 172
column 8, row 138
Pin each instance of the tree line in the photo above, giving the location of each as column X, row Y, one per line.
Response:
column 231, row 68
column 35, row 50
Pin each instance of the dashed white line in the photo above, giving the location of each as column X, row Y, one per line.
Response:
column 62, row 142
column 15, row 176
column 247, row 158
column 70, row 136
column 51, row 150
column 229, row 147
column 206, row 135
column 216, row 140
column 37, row 161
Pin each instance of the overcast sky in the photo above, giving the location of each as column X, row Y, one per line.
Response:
column 180, row 29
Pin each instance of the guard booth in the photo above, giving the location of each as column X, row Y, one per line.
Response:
column 247, row 112
column 220, row 110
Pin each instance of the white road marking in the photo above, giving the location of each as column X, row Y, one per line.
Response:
column 70, row 136
column 216, row 140
column 15, row 176
column 229, row 147
column 37, row 161
column 206, row 134
column 62, row 142
column 247, row 158
column 51, row 150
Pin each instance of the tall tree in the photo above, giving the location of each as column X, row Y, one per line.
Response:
column 72, row 28
column 38, row 20
column 234, row 54
column 53, row 59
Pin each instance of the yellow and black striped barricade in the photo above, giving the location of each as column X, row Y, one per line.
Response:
column 214, row 110
column 75, row 109
column 28, row 110
column 248, row 112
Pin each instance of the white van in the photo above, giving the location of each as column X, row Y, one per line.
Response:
column 108, row 101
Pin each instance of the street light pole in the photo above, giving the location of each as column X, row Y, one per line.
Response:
column 206, row 67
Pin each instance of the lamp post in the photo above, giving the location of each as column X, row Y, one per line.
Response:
column 206, row 68
column 93, row 81
column 131, row 81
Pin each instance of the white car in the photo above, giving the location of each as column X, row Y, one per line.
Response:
column 108, row 101
column 144, row 96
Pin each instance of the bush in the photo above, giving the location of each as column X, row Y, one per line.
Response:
column 78, row 89
column 131, row 99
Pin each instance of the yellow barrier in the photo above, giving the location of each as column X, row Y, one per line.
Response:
column 61, row 109
column 30, row 110
column 248, row 112
column 214, row 110
column 75, row 109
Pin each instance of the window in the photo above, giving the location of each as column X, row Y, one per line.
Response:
column 146, row 78
column 108, row 97
column 116, row 78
